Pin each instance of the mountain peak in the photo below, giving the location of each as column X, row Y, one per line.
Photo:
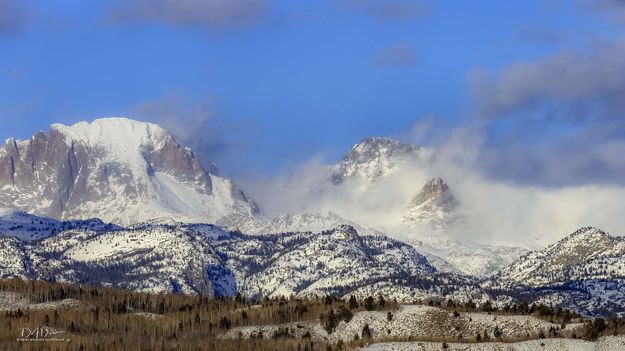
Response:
column 345, row 232
column 380, row 146
column 588, row 231
column 113, row 120
column 436, row 186
column 436, row 191
column 581, row 245
column 577, row 249
column 113, row 130
column 375, row 157
column 434, row 206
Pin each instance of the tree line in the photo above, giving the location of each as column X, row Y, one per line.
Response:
column 110, row 318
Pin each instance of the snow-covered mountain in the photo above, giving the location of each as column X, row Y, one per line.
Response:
column 13, row 259
column 584, row 271
column 433, row 207
column 422, row 219
column 399, row 177
column 588, row 253
column 120, row 170
column 376, row 157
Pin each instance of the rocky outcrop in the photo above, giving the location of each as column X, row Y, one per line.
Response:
column 433, row 207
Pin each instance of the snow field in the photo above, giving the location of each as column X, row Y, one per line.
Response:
column 609, row 343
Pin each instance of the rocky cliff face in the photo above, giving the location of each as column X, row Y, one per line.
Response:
column 117, row 169
column 433, row 207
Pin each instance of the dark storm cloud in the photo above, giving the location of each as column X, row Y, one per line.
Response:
column 398, row 56
column 389, row 9
column 12, row 17
column 555, row 121
column 208, row 14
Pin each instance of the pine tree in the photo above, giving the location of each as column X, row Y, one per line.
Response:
column 353, row 303
column 369, row 304
column 366, row 332
column 497, row 332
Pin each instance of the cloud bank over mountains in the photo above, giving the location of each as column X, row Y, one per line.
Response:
column 540, row 155
column 494, row 212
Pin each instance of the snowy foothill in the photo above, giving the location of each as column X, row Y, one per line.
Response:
column 416, row 322
column 608, row 343
column 10, row 301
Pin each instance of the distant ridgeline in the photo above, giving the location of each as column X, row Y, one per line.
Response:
column 578, row 273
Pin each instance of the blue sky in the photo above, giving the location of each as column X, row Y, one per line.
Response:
column 261, row 85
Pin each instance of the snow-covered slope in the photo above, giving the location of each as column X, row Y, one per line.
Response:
column 27, row 227
column 412, row 321
column 289, row 223
column 468, row 258
column 120, row 170
column 608, row 343
column 13, row 259
column 422, row 322
column 585, row 270
column 150, row 258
